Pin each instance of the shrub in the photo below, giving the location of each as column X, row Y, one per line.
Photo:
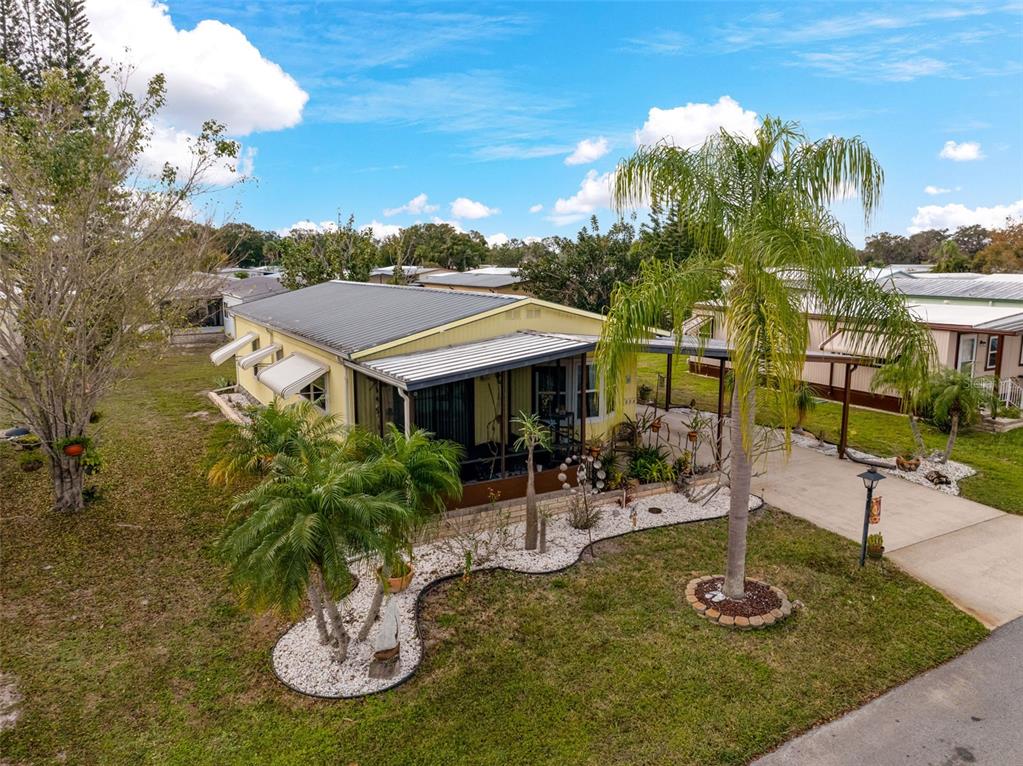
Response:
column 650, row 464
column 30, row 461
column 582, row 514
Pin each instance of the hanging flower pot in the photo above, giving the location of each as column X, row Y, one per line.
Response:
column 693, row 436
column 74, row 450
column 656, row 425
column 73, row 446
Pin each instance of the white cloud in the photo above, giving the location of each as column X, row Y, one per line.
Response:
column 496, row 240
column 535, row 208
column 416, row 206
column 935, row 190
column 966, row 151
column 381, row 230
column 463, row 207
column 453, row 224
column 309, row 227
column 594, row 192
column 212, row 71
column 588, row 150
column 167, row 145
column 954, row 215
column 690, row 125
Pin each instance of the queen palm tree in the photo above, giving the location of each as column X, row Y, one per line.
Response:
column 424, row 472
column 304, row 523
column 277, row 429
column 768, row 245
column 911, row 381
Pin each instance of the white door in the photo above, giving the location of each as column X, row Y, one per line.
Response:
column 967, row 353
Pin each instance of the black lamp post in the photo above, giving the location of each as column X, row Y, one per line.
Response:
column 870, row 479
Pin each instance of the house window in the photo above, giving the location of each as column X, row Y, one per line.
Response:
column 992, row 352
column 592, row 393
column 316, row 392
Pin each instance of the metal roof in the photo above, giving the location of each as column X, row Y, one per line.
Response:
column 352, row 316
column 470, row 360
column 986, row 288
column 253, row 288
column 481, row 279
column 998, row 318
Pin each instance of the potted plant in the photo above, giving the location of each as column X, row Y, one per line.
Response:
column 28, row 442
column 400, row 575
column 655, row 426
column 30, row 461
column 875, row 546
column 73, row 446
column 644, row 392
column 907, row 462
column 594, row 447
column 91, row 460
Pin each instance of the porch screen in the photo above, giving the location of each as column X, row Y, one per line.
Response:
column 447, row 411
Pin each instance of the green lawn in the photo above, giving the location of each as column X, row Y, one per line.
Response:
column 128, row 648
column 997, row 458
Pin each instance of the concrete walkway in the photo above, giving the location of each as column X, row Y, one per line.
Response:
column 966, row 711
column 970, row 552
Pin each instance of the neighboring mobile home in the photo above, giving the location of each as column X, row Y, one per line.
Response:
column 459, row 364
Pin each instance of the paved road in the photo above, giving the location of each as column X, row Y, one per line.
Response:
column 968, row 711
column 970, row 552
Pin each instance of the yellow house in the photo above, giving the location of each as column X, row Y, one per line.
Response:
column 459, row 364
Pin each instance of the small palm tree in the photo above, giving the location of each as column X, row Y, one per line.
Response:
column 805, row 402
column 277, row 429
column 767, row 246
column 910, row 377
column 304, row 523
column 957, row 400
column 424, row 472
column 532, row 434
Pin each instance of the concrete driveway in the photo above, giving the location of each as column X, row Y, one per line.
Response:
column 970, row 552
column 966, row 711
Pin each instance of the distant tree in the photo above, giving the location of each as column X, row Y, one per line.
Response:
column 308, row 258
column 245, row 245
column 438, row 244
column 1004, row 254
column 949, row 259
column 665, row 236
column 92, row 254
column 972, row 239
column 923, row 246
column 884, row 248
column 516, row 252
column 583, row 272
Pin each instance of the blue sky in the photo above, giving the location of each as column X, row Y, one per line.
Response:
column 485, row 103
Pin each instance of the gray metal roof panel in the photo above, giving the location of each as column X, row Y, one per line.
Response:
column 352, row 316
column 446, row 365
column 470, row 279
column 253, row 288
column 975, row 288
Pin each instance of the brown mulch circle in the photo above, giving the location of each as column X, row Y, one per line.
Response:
column 759, row 600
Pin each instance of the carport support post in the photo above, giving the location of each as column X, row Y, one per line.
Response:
column 721, row 407
column 667, row 384
column 844, row 434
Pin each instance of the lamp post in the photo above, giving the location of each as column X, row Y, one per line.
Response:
column 870, row 479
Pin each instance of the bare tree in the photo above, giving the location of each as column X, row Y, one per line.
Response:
column 92, row 249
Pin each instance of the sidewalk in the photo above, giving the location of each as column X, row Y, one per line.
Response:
column 966, row 711
column 970, row 552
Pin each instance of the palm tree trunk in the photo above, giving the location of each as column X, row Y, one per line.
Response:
column 741, row 475
column 918, row 439
column 374, row 606
column 530, row 502
column 316, row 602
column 951, row 437
column 337, row 626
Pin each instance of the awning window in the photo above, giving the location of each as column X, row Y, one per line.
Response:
column 290, row 375
column 228, row 350
column 259, row 355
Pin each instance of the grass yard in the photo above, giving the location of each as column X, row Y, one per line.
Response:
column 997, row 458
column 127, row 647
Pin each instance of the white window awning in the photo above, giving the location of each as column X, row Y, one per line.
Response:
column 290, row 375
column 228, row 350
column 257, row 356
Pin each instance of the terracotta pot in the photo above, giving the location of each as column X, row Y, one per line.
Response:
column 593, row 451
column 693, row 436
column 875, row 553
column 398, row 584
column 655, row 426
column 74, row 450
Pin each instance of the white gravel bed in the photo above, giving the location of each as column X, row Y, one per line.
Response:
column 307, row 666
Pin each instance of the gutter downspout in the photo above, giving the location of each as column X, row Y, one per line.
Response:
column 406, row 399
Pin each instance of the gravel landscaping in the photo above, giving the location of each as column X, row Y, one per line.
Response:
column 307, row 666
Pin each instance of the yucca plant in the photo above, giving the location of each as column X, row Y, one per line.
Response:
column 768, row 251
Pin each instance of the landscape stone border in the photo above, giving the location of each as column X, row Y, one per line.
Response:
column 708, row 612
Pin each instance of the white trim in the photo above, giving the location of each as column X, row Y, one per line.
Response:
column 225, row 352
column 257, row 356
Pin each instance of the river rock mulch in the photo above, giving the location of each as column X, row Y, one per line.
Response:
column 306, row 666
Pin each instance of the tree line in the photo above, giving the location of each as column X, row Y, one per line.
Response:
column 968, row 248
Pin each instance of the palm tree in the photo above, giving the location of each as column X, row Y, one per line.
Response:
column 424, row 472
column 277, row 429
column 957, row 400
column 304, row 523
column 765, row 242
column 532, row 434
column 806, row 402
column 910, row 378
